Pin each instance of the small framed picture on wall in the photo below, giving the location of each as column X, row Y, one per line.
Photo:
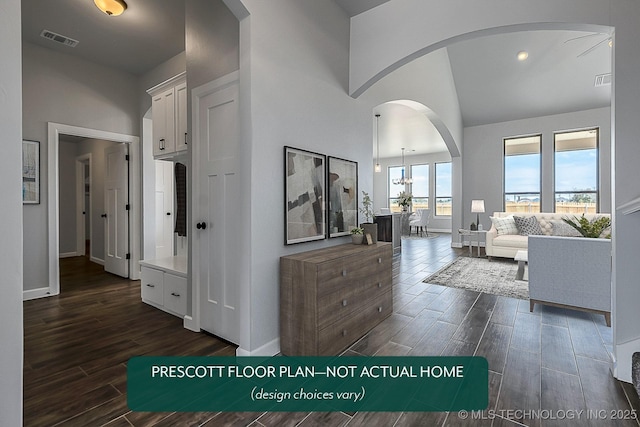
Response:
column 30, row 172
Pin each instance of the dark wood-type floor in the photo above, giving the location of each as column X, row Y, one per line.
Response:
column 77, row 345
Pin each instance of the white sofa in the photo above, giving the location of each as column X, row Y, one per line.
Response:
column 506, row 245
column 571, row 272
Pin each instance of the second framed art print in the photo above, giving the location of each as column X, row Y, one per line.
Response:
column 342, row 205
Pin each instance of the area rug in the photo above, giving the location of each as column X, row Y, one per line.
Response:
column 496, row 277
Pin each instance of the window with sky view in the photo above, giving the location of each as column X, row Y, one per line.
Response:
column 522, row 174
column 576, row 171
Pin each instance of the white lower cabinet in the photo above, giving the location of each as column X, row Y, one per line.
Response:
column 152, row 285
column 175, row 294
column 163, row 287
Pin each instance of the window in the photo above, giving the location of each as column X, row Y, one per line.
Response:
column 522, row 174
column 420, row 187
column 443, row 189
column 395, row 172
column 576, row 171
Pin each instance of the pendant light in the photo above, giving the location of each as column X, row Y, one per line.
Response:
column 403, row 180
column 378, row 168
column 111, row 7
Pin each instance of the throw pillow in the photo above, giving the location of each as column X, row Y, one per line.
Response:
column 528, row 226
column 504, row 225
column 561, row 228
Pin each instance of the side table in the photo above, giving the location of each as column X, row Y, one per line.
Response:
column 472, row 234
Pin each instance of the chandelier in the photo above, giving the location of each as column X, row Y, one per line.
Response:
column 402, row 180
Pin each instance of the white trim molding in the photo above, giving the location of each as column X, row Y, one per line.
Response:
column 35, row 293
column 630, row 207
column 622, row 359
column 269, row 349
column 68, row 255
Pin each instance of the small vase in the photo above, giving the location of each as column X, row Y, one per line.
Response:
column 404, row 209
column 356, row 239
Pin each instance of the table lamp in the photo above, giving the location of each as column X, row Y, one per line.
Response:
column 477, row 207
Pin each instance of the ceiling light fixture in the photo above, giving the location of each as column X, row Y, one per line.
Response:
column 402, row 180
column 522, row 55
column 378, row 168
column 111, row 7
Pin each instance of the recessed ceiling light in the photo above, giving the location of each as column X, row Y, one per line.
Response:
column 111, row 7
column 522, row 55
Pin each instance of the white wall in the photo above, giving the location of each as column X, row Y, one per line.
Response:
column 299, row 73
column 381, row 188
column 483, row 164
column 11, row 258
column 60, row 88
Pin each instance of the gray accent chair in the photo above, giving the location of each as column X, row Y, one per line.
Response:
column 570, row 272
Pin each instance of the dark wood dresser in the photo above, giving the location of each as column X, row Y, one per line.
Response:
column 331, row 297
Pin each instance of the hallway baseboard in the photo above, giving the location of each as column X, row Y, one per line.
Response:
column 68, row 254
column 30, row 294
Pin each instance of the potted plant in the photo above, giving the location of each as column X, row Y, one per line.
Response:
column 367, row 210
column 357, row 234
column 404, row 200
column 597, row 227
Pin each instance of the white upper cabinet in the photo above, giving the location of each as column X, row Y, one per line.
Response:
column 169, row 112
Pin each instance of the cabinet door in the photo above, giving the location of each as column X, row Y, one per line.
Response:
column 152, row 285
column 181, row 117
column 175, row 294
column 164, row 127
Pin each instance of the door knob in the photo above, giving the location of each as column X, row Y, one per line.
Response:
column 201, row 226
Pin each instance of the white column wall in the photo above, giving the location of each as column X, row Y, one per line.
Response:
column 11, row 258
column 299, row 64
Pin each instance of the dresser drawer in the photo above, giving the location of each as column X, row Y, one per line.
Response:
column 152, row 285
column 356, row 296
column 353, row 269
column 175, row 293
column 337, row 337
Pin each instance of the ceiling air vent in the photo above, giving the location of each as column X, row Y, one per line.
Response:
column 603, row 80
column 59, row 38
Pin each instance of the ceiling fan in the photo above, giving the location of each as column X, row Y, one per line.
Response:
column 608, row 40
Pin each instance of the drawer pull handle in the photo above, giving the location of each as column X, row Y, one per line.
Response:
column 344, row 273
column 150, row 285
column 380, row 309
column 379, row 284
column 174, row 294
column 344, row 332
column 379, row 260
column 344, row 302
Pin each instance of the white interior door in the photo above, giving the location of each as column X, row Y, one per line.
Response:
column 164, row 209
column 116, row 216
column 217, row 225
